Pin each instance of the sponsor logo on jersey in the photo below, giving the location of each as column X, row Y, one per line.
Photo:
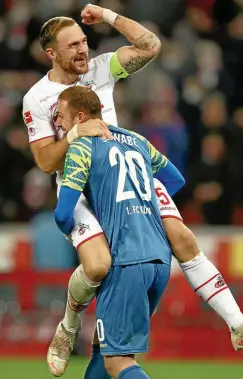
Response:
column 82, row 228
column 28, row 118
column 53, row 106
column 220, row 282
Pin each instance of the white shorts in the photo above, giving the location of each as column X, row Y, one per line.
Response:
column 87, row 226
column 166, row 205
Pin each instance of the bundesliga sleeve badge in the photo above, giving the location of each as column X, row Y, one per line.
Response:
column 28, row 118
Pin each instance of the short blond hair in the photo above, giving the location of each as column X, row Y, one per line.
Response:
column 51, row 28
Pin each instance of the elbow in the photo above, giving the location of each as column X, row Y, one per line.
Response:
column 47, row 169
column 45, row 165
column 182, row 182
column 60, row 217
column 178, row 184
column 62, row 220
column 156, row 48
column 176, row 187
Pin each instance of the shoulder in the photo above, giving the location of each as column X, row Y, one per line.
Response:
column 43, row 94
column 35, row 91
column 117, row 129
column 81, row 146
column 101, row 60
column 139, row 136
column 100, row 66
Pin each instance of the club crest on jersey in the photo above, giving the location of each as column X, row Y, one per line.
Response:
column 82, row 228
column 220, row 282
column 31, row 131
column 89, row 84
column 28, row 118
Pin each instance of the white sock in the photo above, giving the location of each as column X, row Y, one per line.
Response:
column 209, row 284
column 81, row 291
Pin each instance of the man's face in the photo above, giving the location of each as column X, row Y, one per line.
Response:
column 72, row 50
column 66, row 119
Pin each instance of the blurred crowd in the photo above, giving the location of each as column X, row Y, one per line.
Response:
column 188, row 102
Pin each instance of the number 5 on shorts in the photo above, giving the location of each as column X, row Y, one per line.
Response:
column 100, row 330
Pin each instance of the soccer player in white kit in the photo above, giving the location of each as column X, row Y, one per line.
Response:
column 66, row 46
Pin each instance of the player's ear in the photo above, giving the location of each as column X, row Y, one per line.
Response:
column 50, row 52
column 81, row 117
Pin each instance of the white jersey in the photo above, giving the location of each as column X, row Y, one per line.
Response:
column 40, row 103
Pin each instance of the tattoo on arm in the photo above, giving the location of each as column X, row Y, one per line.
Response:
column 146, row 45
column 135, row 64
column 146, row 41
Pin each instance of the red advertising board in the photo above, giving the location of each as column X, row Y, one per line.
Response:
column 184, row 327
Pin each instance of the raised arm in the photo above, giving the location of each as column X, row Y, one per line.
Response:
column 145, row 45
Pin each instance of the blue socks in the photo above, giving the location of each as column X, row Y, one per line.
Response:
column 96, row 368
column 133, row 372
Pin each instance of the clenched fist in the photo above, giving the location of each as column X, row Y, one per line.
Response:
column 92, row 14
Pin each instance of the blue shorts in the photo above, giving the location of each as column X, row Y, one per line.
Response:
column 127, row 298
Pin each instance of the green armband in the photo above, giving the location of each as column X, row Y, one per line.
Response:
column 116, row 69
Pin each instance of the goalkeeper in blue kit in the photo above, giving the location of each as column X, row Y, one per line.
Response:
column 116, row 176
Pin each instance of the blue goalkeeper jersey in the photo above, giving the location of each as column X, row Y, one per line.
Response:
column 116, row 177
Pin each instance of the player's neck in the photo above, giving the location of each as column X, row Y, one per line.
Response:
column 59, row 76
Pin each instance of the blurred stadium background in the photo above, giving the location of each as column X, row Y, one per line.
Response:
column 189, row 104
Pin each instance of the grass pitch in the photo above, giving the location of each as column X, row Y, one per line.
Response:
column 37, row 369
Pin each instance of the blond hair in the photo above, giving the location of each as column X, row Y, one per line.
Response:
column 51, row 28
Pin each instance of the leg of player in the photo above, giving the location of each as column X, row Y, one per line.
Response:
column 205, row 278
column 124, row 367
column 96, row 260
column 100, row 367
column 123, row 315
column 89, row 240
column 96, row 367
column 202, row 275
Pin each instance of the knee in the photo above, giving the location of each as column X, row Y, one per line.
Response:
column 96, row 258
column 115, row 364
column 185, row 246
column 187, row 238
column 110, row 367
column 96, row 270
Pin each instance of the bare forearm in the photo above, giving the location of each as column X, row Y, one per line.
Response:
column 51, row 157
column 137, row 35
column 145, row 44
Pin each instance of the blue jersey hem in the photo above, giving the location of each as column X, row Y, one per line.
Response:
column 130, row 263
column 124, row 352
